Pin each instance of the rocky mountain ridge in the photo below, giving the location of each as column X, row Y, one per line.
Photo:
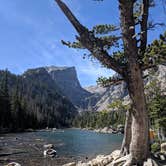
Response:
column 67, row 81
column 64, row 81
column 92, row 98
column 40, row 97
column 105, row 96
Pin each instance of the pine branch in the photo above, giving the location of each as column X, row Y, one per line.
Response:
column 89, row 41
column 155, row 53
column 107, row 82
column 105, row 41
column 152, row 26
column 104, row 29
column 75, row 44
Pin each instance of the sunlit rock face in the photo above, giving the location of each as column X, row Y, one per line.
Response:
column 102, row 97
column 67, row 81
column 160, row 75
column 92, row 98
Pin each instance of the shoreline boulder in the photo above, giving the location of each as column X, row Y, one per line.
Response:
column 49, row 146
column 50, row 153
column 13, row 164
column 163, row 147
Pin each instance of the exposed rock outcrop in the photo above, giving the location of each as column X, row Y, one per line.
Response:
column 102, row 97
column 100, row 160
column 93, row 98
column 113, row 159
column 67, row 81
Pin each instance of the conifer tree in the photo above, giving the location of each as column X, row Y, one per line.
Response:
column 128, row 62
column 5, row 105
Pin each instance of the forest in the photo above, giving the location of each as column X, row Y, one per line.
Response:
column 115, row 114
column 26, row 102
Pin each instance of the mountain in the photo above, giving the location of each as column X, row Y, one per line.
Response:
column 58, row 87
column 102, row 97
column 69, row 85
column 52, row 96
column 42, row 96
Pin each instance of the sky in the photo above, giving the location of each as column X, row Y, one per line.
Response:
column 31, row 33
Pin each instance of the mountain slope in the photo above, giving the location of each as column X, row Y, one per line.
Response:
column 104, row 96
column 67, row 81
column 58, row 87
column 42, row 97
column 93, row 98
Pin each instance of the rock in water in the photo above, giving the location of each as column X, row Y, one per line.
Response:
column 49, row 146
column 50, row 153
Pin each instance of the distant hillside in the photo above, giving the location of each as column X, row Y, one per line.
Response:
column 54, row 93
column 68, row 83
column 102, row 97
column 42, row 96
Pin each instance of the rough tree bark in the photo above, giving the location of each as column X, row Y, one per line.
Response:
column 131, row 72
column 139, row 141
column 125, row 148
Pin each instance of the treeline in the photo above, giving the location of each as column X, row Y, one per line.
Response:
column 29, row 102
column 115, row 114
column 156, row 104
column 96, row 120
column 13, row 114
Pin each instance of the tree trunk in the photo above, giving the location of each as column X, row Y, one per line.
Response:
column 139, row 142
column 133, row 76
column 132, row 73
column 127, row 134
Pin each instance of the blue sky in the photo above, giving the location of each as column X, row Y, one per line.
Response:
column 30, row 34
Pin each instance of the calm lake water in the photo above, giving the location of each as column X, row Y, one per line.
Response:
column 79, row 143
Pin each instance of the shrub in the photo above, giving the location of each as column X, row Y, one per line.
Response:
column 155, row 147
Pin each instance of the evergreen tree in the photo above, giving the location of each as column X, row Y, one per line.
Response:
column 128, row 62
column 156, row 105
column 5, row 106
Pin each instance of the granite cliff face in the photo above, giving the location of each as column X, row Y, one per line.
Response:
column 93, row 98
column 67, row 81
column 102, row 97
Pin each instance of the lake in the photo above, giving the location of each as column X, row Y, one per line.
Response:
column 70, row 144
column 81, row 143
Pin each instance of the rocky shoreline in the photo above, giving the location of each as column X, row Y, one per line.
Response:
column 100, row 160
column 115, row 159
column 27, row 150
column 108, row 130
